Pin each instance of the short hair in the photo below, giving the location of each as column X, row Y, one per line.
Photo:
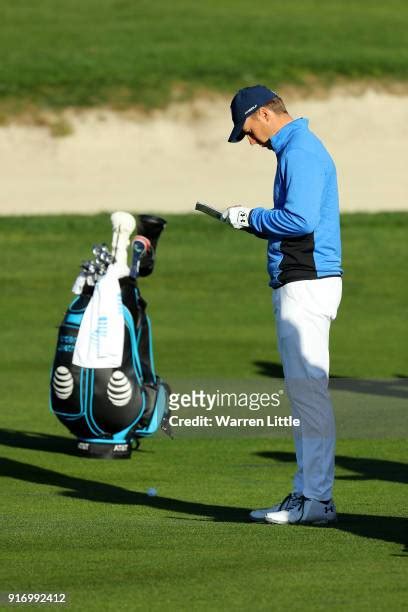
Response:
column 276, row 105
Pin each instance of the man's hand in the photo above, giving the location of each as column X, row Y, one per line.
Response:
column 237, row 216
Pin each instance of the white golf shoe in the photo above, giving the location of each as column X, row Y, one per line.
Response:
column 305, row 512
column 289, row 502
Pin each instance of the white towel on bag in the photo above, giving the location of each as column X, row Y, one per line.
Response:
column 101, row 334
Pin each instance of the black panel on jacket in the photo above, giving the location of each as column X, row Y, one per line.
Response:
column 297, row 262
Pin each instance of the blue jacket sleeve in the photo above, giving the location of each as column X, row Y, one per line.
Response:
column 303, row 181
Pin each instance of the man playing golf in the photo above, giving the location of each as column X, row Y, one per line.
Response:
column 304, row 264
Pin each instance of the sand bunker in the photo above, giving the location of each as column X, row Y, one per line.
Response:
column 166, row 161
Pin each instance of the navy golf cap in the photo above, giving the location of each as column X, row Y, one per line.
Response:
column 246, row 102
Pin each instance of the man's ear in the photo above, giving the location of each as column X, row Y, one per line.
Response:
column 264, row 114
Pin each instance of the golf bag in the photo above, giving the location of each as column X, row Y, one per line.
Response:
column 110, row 409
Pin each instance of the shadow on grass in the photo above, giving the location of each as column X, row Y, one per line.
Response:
column 364, row 468
column 386, row 528
column 38, row 441
column 94, row 491
column 269, row 369
column 395, row 387
column 48, row 443
column 273, row 369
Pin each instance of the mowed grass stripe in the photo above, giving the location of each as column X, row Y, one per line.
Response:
column 122, row 52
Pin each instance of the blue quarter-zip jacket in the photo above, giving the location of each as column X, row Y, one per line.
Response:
column 303, row 228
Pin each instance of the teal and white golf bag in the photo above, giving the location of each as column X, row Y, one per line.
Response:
column 111, row 409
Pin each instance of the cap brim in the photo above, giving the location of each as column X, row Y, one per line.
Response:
column 237, row 133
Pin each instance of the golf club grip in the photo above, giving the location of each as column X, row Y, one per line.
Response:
column 216, row 214
column 208, row 210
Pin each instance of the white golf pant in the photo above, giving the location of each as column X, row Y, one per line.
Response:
column 303, row 313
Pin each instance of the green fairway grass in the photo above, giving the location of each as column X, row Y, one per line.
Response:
column 87, row 528
column 126, row 51
column 209, row 279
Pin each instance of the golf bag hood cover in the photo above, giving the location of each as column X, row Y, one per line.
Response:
column 109, row 405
